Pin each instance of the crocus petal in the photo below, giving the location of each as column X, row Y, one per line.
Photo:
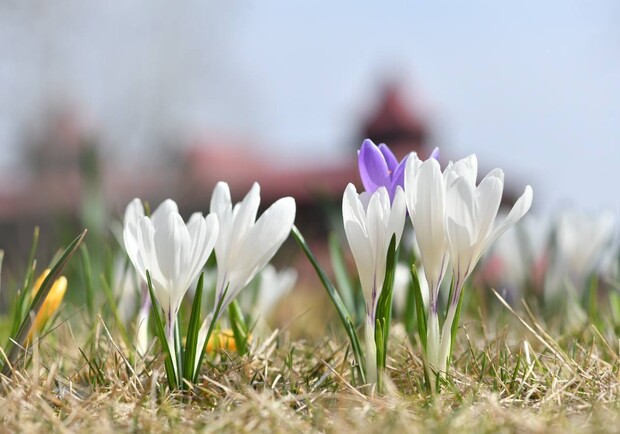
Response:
column 220, row 199
column 133, row 212
column 160, row 215
column 244, row 246
column 369, row 232
column 398, row 176
column 265, row 238
column 426, row 204
column 389, row 157
column 488, row 198
column 376, row 220
column 244, row 213
column 203, row 234
column 460, row 209
column 372, row 166
column 520, row 208
column 396, row 220
column 355, row 229
column 466, row 168
column 172, row 247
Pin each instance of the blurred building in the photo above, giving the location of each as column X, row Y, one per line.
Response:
column 67, row 185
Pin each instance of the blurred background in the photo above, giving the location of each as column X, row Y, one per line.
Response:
column 101, row 102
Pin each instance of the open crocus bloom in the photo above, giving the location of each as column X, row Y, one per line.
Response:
column 370, row 222
column 379, row 168
column 173, row 253
column 245, row 245
column 471, row 211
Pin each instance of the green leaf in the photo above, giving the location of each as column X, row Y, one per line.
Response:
column 19, row 340
column 161, row 334
column 345, row 318
column 384, row 306
column 419, row 306
column 239, row 327
column 216, row 314
column 193, row 330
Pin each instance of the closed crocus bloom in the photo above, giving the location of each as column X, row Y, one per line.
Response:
column 245, row 245
column 370, row 222
column 133, row 213
column 379, row 168
column 51, row 303
column 425, row 191
column 173, row 253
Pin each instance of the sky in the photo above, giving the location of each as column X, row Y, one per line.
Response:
column 531, row 87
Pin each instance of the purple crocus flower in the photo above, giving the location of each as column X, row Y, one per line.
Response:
column 380, row 168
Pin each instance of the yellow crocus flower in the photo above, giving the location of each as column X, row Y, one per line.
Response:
column 51, row 303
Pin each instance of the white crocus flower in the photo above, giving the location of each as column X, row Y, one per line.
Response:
column 471, row 211
column 133, row 213
column 172, row 252
column 425, row 190
column 516, row 257
column 245, row 245
column 370, row 222
column 272, row 287
column 581, row 243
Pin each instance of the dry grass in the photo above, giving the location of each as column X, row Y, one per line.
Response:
column 510, row 379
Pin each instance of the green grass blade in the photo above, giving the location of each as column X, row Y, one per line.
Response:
column 345, row 318
column 31, row 261
column 340, row 273
column 19, row 308
column 88, row 281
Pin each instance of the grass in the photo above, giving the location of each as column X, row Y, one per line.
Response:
column 505, row 377
column 512, row 371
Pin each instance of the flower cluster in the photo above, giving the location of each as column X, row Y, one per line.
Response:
column 170, row 254
column 454, row 223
